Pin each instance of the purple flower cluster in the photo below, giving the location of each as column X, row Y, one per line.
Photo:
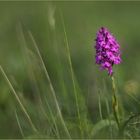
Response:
column 107, row 50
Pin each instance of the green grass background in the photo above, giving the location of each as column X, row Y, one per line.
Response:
column 19, row 59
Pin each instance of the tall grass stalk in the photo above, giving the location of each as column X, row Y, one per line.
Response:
column 72, row 73
column 19, row 125
column 28, row 61
column 50, row 84
column 53, row 119
column 18, row 99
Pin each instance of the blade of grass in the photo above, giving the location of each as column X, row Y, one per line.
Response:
column 27, row 53
column 60, row 68
column 72, row 72
column 19, row 125
column 53, row 119
column 18, row 99
column 129, row 136
column 50, row 83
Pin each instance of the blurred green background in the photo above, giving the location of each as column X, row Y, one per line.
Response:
column 22, row 66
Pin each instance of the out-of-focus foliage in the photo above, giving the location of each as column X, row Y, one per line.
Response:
column 20, row 60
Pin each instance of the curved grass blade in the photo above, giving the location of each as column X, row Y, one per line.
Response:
column 19, row 125
column 18, row 99
column 72, row 72
column 50, row 84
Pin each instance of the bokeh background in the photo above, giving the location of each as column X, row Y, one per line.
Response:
column 21, row 63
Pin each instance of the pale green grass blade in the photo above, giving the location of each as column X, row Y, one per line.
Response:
column 129, row 136
column 18, row 99
column 50, row 83
column 72, row 72
column 53, row 118
column 19, row 125
column 29, row 62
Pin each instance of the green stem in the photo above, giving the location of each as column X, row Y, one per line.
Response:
column 72, row 75
column 115, row 103
column 51, row 86
column 18, row 99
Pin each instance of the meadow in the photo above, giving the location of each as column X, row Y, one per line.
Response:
column 49, row 82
